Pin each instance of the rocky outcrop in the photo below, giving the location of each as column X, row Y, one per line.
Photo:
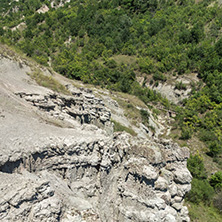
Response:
column 79, row 172
column 43, row 9
column 169, row 87
column 172, row 94
column 122, row 179
column 82, row 106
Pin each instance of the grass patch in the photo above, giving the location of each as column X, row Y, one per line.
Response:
column 202, row 213
column 130, row 111
column 134, row 100
column 126, row 59
column 129, row 104
column 48, row 82
column 119, row 59
column 120, row 128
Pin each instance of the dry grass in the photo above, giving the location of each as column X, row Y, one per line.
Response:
column 15, row 54
column 48, row 82
column 135, row 101
column 129, row 60
column 130, row 111
column 120, row 128
column 119, row 59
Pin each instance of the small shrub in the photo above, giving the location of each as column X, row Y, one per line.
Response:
column 118, row 127
column 130, row 106
column 186, row 133
column 156, row 111
column 216, row 180
column 196, row 167
column 207, row 135
column 215, row 148
column 201, row 192
column 156, row 84
column 159, row 76
column 180, row 86
column 151, row 82
column 145, row 116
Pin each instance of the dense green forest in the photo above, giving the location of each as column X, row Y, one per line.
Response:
column 110, row 43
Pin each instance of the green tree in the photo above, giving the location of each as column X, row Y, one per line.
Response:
column 196, row 166
column 216, row 180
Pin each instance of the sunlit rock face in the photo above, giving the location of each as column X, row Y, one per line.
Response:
column 61, row 161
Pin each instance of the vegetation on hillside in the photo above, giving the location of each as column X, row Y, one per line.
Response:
column 206, row 193
column 110, row 43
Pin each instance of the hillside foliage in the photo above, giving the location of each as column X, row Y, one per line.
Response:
column 84, row 39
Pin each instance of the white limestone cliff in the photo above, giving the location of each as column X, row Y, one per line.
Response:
column 61, row 161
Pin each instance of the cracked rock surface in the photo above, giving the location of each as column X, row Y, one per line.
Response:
column 60, row 160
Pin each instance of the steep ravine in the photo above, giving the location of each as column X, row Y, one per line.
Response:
column 61, row 161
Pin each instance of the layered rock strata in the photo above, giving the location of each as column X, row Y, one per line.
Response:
column 121, row 179
column 51, row 172
column 81, row 106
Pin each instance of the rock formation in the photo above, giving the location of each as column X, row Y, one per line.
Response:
column 60, row 160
